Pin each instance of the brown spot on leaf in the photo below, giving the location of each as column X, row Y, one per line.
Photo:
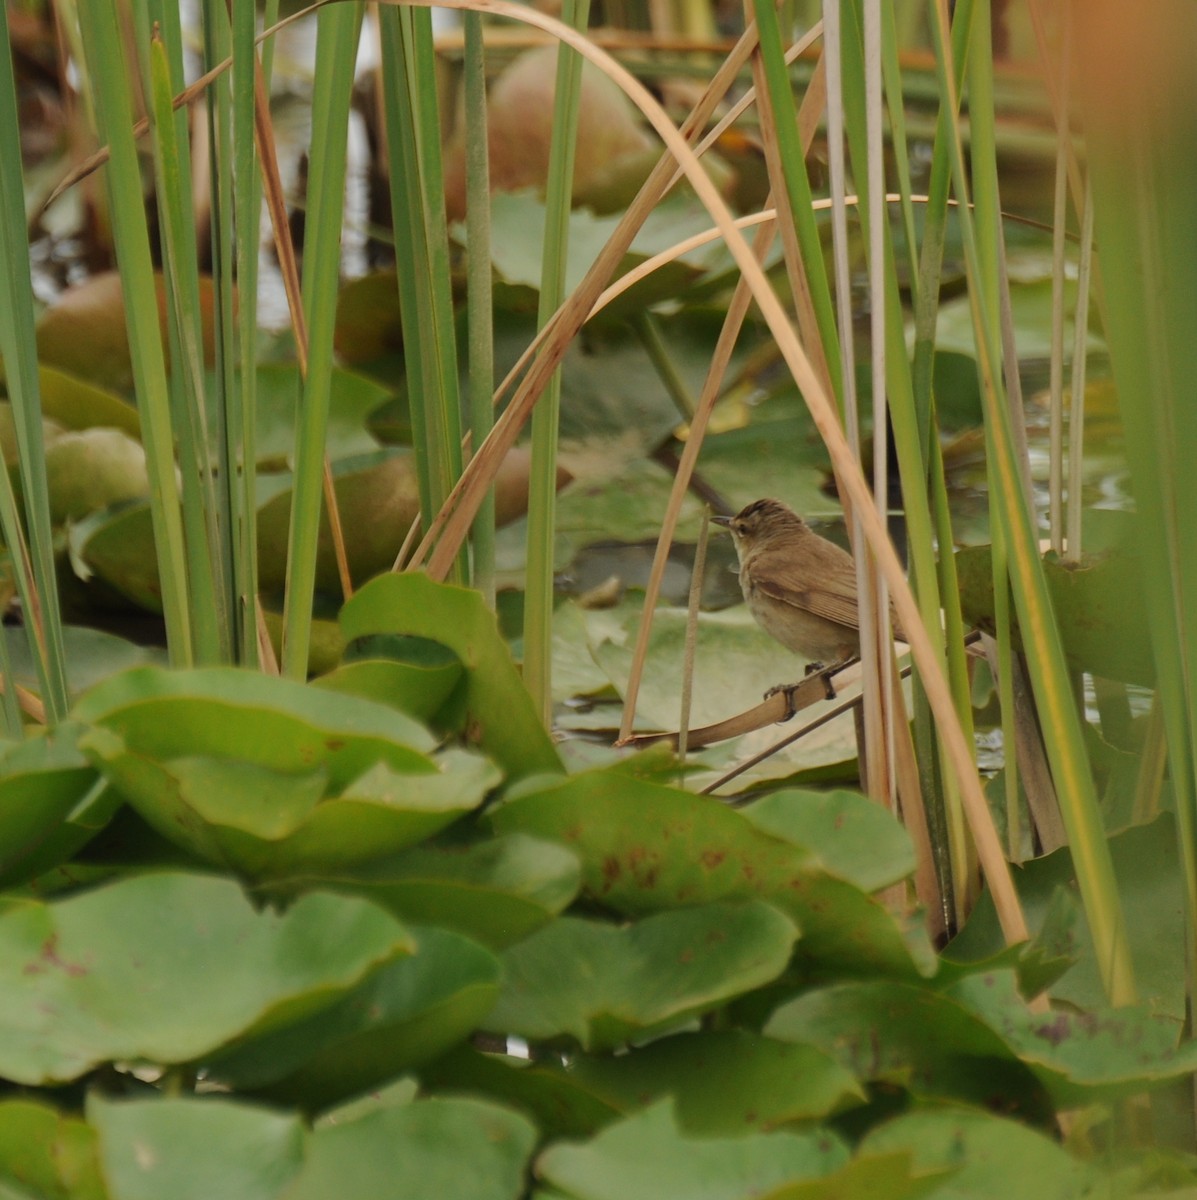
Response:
column 712, row 858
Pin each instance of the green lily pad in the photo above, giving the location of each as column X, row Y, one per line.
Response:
column 416, row 689
column 91, row 655
column 645, row 847
column 117, row 546
column 721, row 1081
column 407, row 1012
column 891, row 1176
column 266, row 823
column 1081, row 1057
column 910, row 1037
column 499, row 714
column 195, row 1149
column 267, row 721
column 646, row 1157
column 77, row 404
column 561, row 1105
column 989, row 1157
column 169, row 967
column 858, row 839
column 496, row 890
column 352, row 399
column 1148, row 874
column 604, row 985
column 1099, row 608
column 1031, row 307
column 437, row 1147
column 48, row 1154
column 46, row 786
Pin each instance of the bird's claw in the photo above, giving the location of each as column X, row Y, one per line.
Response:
column 788, row 689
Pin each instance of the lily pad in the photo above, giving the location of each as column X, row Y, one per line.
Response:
column 168, row 968
column 496, row 890
column 416, row 689
column 1098, row 603
column 989, row 1157
column 1147, row 870
column 436, row 1147
column 1081, row 1057
column 352, row 399
column 266, row 823
column 499, row 714
column 858, row 839
column 645, row 847
column 268, row 721
column 604, row 985
column 909, row 1037
column 77, row 404
column 721, row 1081
column 407, row 1012
column 48, row 1154
column 45, row 786
column 195, row 1149
column 646, row 1157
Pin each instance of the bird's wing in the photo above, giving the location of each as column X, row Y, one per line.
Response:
column 834, row 599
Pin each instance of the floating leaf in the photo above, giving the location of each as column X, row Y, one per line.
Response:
column 195, row 1149
column 721, row 1081
column 50, row 1155
column 645, row 847
column 77, row 404
column 48, row 791
column 499, row 714
column 438, row 1147
column 989, row 1157
column 1147, row 869
column 168, row 967
column 857, row 839
column 407, row 1012
column 561, row 1105
column 1080, row 1056
column 272, row 722
column 266, row 823
column 416, row 689
column 352, row 399
column 496, row 890
column 646, row 1158
column 605, row 985
column 910, row 1037
column 869, row 1177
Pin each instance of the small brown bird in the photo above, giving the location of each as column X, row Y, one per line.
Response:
column 800, row 587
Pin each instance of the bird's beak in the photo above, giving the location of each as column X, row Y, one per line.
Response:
column 724, row 521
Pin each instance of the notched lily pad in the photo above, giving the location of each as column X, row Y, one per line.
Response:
column 645, row 847
column 169, row 967
column 910, row 1037
column 271, row 722
column 266, row 823
column 646, row 1157
column 407, row 1012
column 436, row 1147
column 47, row 1153
column 603, row 985
column 497, row 890
column 499, row 714
column 46, row 790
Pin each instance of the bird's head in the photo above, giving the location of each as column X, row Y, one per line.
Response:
column 762, row 520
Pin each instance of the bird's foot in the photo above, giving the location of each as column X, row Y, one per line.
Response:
column 788, row 689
